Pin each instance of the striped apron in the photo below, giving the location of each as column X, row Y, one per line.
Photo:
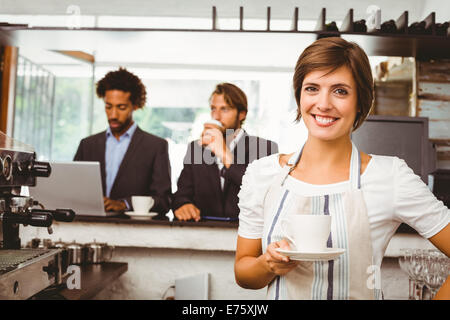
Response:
column 351, row 276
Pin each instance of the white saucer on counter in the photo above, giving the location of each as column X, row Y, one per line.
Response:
column 141, row 215
column 327, row 254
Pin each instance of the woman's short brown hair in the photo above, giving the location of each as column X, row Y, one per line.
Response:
column 333, row 53
column 233, row 96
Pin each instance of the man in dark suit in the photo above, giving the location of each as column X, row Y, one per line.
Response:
column 132, row 161
column 214, row 165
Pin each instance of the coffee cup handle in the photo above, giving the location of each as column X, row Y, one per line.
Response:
column 283, row 230
column 152, row 204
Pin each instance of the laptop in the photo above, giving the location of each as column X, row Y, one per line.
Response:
column 75, row 185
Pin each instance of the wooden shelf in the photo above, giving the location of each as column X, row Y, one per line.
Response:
column 405, row 45
column 374, row 42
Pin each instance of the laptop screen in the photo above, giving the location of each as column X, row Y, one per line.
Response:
column 76, row 185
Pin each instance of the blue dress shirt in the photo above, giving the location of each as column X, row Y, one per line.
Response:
column 114, row 152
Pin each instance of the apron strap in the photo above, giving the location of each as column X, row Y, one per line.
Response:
column 355, row 168
column 295, row 158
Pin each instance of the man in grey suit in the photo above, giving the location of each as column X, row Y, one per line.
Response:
column 132, row 161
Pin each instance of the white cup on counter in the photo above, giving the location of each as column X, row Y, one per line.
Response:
column 142, row 204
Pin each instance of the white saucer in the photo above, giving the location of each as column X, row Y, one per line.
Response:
column 141, row 215
column 327, row 254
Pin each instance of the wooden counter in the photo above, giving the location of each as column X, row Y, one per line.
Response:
column 94, row 278
column 164, row 221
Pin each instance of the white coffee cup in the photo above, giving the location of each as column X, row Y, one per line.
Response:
column 307, row 232
column 207, row 137
column 214, row 122
column 142, row 204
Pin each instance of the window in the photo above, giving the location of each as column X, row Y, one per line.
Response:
column 34, row 107
column 177, row 105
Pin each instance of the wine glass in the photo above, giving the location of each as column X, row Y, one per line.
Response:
column 433, row 271
column 444, row 270
column 404, row 260
column 417, row 270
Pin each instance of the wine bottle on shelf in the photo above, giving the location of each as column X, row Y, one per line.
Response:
column 360, row 26
column 388, row 27
column 331, row 26
column 441, row 29
column 417, row 28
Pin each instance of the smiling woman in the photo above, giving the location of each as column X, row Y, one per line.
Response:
column 328, row 55
column 328, row 103
column 367, row 196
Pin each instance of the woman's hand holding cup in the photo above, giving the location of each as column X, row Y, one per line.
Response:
column 276, row 262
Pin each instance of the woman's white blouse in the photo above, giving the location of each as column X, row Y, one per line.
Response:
column 392, row 192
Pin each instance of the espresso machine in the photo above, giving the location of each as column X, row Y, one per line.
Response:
column 23, row 271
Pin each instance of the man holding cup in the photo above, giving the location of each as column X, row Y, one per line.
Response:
column 214, row 165
column 132, row 161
